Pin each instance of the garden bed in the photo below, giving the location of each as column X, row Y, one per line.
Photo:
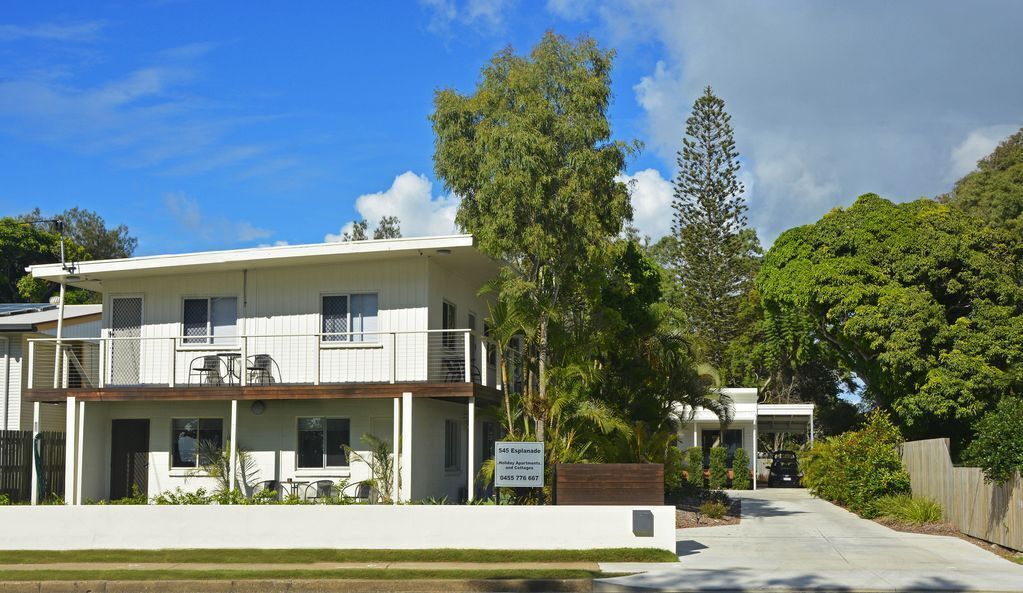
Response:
column 687, row 514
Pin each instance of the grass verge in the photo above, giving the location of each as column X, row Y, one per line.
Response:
column 298, row 573
column 328, row 555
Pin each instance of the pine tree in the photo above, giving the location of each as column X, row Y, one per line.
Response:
column 717, row 253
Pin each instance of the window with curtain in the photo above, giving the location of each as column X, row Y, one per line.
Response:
column 350, row 317
column 322, row 442
column 210, row 320
column 190, row 436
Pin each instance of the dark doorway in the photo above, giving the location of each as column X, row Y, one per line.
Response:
column 129, row 457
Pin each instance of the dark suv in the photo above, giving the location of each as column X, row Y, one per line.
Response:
column 784, row 470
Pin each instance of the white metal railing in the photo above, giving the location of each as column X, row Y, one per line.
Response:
column 280, row 359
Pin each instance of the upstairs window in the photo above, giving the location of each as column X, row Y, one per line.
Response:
column 210, row 320
column 350, row 318
column 448, row 320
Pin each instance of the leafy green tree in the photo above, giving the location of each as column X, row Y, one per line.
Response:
column 715, row 259
column 88, row 229
column 531, row 155
column 389, row 227
column 994, row 191
column 358, row 232
column 23, row 245
column 998, row 446
column 921, row 303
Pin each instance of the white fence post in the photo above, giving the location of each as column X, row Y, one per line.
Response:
column 31, row 363
column 102, row 380
column 173, row 363
column 243, row 375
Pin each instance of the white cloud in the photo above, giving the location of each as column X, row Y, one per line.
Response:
column 207, row 227
column 411, row 199
column 486, row 13
column 651, row 202
column 977, row 145
column 829, row 100
column 66, row 32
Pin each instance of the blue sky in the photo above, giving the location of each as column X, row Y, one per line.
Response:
column 218, row 125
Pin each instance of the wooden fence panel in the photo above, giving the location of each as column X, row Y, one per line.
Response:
column 609, row 483
column 987, row 511
column 16, row 464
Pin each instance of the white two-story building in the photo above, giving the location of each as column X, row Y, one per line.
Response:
column 289, row 354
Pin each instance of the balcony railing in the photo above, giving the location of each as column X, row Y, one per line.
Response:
column 256, row 360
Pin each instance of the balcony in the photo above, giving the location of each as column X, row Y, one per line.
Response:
column 454, row 362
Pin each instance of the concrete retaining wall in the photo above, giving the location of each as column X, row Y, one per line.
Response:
column 322, row 526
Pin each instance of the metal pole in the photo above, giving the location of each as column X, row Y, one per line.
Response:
column 233, row 454
column 471, row 462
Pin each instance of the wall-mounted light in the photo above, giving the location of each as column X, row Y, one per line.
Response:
column 443, row 252
column 258, row 407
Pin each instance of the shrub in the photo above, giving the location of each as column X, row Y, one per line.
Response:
column 179, row 496
column 713, row 509
column 672, row 469
column 997, row 447
column 740, row 469
column 694, row 465
column 716, row 496
column 718, row 467
column 854, row 469
column 4, row 500
column 908, row 509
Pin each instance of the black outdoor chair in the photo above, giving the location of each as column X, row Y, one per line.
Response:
column 320, row 489
column 267, row 485
column 209, row 369
column 454, row 370
column 263, row 370
column 359, row 491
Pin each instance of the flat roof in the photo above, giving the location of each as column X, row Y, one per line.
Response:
column 30, row 320
column 455, row 251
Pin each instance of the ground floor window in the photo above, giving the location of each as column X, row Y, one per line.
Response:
column 195, row 440
column 452, row 444
column 322, row 442
column 712, row 438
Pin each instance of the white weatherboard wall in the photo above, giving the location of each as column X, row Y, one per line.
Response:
column 323, row 526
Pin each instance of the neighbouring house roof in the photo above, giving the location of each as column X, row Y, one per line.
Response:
column 455, row 251
column 39, row 315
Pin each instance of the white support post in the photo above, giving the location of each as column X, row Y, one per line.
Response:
column 406, row 447
column 31, row 362
column 471, row 463
column 484, row 367
column 468, row 357
column 81, row 453
column 102, row 379
column 35, row 472
column 173, row 363
column 756, row 447
column 316, row 359
column 70, row 442
column 811, row 427
column 394, row 357
column 696, row 436
column 396, row 463
column 243, row 364
column 233, row 454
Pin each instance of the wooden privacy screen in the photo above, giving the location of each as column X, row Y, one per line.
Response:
column 609, row 483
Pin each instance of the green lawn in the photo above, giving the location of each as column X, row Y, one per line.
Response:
column 206, row 575
column 329, row 555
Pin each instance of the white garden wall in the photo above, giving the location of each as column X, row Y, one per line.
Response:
column 342, row 527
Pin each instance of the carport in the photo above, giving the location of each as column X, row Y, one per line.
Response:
column 780, row 418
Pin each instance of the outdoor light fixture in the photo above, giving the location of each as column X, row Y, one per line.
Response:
column 443, row 252
column 258, row 407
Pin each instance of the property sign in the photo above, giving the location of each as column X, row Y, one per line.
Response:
column 518, row 464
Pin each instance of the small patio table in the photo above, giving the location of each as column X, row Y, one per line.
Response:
column 293, row 485
column 232, row 361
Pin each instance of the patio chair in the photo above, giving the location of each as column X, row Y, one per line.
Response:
column 208, row 369
column 267, row 485
column 454, row 370
column 320, row 489
column 263, row 370
column 360, row 491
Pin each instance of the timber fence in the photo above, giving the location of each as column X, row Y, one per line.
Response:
column 988, row 511
column 16, row 464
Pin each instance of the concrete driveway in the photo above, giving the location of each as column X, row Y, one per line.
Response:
column 789, row 541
